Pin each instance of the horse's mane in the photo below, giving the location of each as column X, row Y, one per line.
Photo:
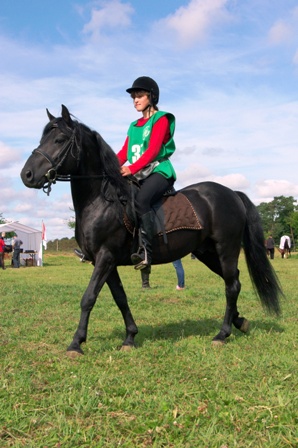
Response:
column 108, row 161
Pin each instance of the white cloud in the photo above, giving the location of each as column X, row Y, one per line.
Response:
column 234, row 181
column 9, row 157
column 270, row 188
column 280, row 32
column 114, row 15
column 284, row 30
column 192, row 23
column 200, row 173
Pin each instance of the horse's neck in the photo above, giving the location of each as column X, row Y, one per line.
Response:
column 101, row 183
column 85, row 190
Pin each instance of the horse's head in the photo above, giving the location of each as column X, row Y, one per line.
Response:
column 69, row 150
column 58, row 153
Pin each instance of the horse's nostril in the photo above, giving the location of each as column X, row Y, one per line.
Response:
column 28, row 175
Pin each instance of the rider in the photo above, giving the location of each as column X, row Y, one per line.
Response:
column 147, row 148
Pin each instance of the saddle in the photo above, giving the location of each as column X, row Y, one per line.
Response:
column 173, row 212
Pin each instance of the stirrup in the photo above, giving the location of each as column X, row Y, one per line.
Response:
column 140, row 262
column 80, row 255
column 142, row 265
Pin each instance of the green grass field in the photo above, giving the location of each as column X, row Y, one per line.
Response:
column 174, row 390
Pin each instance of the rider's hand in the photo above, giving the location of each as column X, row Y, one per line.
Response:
column 125, row 171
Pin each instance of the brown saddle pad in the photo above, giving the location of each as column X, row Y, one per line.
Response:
column 176, row 212
column 179, row 214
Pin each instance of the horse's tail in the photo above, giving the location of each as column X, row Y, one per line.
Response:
column 260, row 270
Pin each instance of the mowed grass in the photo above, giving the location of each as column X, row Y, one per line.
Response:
column 174, row 390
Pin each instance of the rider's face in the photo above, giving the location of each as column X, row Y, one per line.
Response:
column 140, row 100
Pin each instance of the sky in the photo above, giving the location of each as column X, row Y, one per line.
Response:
column 227, row 70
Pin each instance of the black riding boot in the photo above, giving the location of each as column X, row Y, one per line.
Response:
column 145, row 274
column 143, row 257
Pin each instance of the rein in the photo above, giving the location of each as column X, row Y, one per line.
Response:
column 68, row 178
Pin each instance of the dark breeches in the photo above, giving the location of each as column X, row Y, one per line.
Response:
column 152, row 189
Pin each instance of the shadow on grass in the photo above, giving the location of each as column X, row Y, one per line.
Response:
column 176, row 330
column 266, row 327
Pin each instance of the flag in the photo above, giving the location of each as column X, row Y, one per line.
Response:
column 44, row 235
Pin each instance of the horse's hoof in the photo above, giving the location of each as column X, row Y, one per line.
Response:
column 73, row 354
column 245, row 326
column 126, row 348
column 217, row 343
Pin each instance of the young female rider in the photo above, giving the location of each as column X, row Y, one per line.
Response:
column 147, row 148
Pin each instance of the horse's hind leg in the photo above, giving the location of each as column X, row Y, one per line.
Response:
column 230, row 274
column 232, row 287
column 228, row 270
column 241, row 323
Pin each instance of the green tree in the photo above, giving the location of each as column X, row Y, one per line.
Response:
column 276, row 215
column 267, row 213
column 293, row 220
column 284, row 207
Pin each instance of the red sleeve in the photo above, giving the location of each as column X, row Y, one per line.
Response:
column 122, row 154
column 160, row 134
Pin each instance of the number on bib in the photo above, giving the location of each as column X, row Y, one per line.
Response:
column 136, row 150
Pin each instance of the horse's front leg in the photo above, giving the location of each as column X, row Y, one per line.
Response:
column 120, row 298
column 100, row 273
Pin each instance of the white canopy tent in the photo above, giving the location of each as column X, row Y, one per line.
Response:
column 31, row 238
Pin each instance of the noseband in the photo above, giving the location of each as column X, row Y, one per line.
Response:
column 52, row 174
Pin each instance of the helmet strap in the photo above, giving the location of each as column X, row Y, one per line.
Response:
column 149, row 105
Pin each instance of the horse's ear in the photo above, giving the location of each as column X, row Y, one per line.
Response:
column 51, row 117
column 66, row 115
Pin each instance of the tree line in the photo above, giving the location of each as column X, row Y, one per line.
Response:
column 280, row 217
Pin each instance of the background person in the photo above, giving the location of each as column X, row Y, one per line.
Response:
column 285, row 246
column 180, row 274
column 2, row 250
column 145, row 275
column 270, row 244
column 17, row 243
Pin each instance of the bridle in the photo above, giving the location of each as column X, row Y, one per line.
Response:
column 74, row 142
column 68, row 148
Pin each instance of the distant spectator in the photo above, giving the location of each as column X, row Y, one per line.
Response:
column 270, row 247
column 17, row 243
column 2, row 249
column 180, row 274
column 285, row 246
column 145, row 275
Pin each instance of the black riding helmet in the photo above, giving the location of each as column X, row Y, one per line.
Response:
column 148, row 85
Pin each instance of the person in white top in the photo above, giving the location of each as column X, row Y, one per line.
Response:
column 285, row 246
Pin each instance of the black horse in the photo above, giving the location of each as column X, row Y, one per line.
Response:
column 69, row 150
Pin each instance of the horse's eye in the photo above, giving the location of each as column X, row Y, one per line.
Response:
column 59, row 140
